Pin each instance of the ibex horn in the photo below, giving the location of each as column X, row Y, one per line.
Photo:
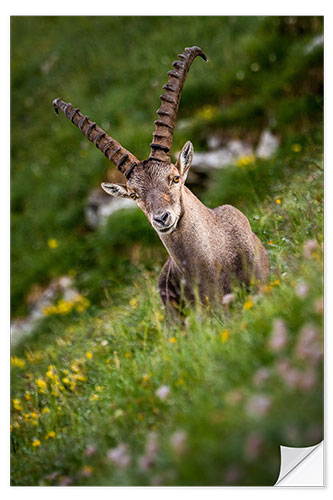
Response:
column 164, row 126
column 119, row 156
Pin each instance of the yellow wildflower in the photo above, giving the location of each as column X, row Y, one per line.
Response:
column 18, row 362
column 271, row 242
column 27, row 396
column 173, row 340
column 243, row 161
column 133, row 303
column 98, row 388
column 35, row 443
column 89, row 355
column 206, row 112
column 33, row 414
column 80, row 378
column 278, row 201
column 147, row 376
column 159, row 316
column 86, row 470
column 17, row 405
column 64, row 306
column 26, row 417
column 49, row 310
column 50, row 434
column 52, row 243
column 248, row 304
column 224, row 336
column 45, row 411
column 41, row 385
column 275, row 282
column 116, row 359
column 296, row 148
column 95, row 397
column 51, row 372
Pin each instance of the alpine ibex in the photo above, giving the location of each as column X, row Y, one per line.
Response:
column 208, row 249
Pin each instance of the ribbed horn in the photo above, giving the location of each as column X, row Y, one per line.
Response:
column 119, row 156
column 164, row 126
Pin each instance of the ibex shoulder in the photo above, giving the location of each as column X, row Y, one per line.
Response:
column 231, row 215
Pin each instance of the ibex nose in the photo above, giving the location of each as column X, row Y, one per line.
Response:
column 161, row 219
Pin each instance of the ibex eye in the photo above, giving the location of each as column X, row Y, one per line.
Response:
column 176, row 179
column 133, row 196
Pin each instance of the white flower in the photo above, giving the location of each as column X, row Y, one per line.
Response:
column 163, row 392
column 228, row 298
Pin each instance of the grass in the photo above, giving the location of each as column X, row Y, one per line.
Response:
column 232, row 398
column 107, row 391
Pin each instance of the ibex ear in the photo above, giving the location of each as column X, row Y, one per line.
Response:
column 185, row 159
column 117, row 190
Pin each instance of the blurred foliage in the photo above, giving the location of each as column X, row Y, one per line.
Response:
column 262, row 71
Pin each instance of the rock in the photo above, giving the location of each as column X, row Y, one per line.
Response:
column 100, row 205
column 268, row 144
column 222, row 157
column 316, row 41
column 38, row 301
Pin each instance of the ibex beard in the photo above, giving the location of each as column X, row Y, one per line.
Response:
column 209, row 250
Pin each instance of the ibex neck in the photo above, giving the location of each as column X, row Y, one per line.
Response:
column 189, row 244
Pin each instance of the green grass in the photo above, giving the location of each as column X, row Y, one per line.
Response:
column 213, row 377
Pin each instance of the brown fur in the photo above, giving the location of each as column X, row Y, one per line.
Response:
column 209, row 250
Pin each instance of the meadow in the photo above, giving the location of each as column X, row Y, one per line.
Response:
column 106, row 390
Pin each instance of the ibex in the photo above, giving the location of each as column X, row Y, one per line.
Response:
column 209, row 250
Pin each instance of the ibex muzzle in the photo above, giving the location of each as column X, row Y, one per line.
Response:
column 208, row 249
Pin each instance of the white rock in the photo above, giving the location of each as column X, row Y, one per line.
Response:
column 268, row 145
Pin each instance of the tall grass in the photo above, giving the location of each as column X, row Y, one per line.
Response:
column 121, row 396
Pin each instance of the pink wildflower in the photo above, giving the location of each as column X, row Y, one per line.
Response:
column 178, row 442
column 119, row 456
column 279, row 335
column 258, row 405
column 253, row 446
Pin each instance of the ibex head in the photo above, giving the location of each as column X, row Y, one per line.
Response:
column 155, row 184
column 157, row 188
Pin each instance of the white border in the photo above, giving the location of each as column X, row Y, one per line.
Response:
column 186, row 7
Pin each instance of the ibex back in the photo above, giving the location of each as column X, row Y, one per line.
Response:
column 209, row 250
